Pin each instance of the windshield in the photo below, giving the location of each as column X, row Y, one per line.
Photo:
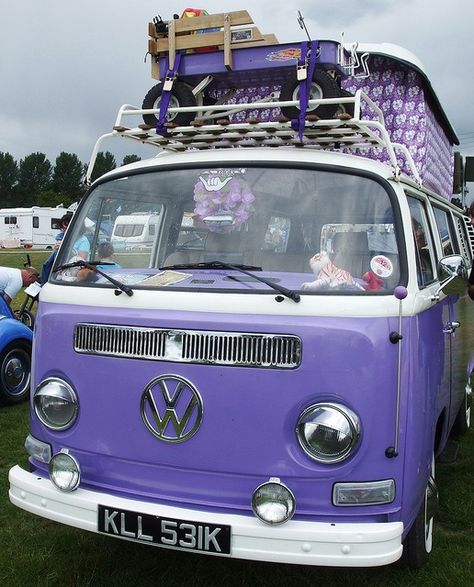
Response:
column 307, row 230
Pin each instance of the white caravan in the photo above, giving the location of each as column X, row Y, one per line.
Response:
column 134, row 231
column 34, row 227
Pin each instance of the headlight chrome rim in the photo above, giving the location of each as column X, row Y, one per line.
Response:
column 70, row 397
column 353, row 423
column 291, row 500
column 53, row 473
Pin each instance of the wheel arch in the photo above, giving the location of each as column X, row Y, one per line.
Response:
column 12, row 330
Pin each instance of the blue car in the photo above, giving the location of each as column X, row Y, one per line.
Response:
column 15, row 357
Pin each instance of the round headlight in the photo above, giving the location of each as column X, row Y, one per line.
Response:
column 64, row 471
column 328, row 432
column 273, row 502
column 55, row 404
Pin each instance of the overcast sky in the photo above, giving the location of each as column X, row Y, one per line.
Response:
column 67, row 66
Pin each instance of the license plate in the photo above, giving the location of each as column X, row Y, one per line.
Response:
column 151, row 529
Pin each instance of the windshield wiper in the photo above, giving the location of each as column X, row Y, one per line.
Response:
column 92, row 266
column 246, row 269
column 212, row 265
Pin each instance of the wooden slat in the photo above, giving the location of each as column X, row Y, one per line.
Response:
column 227, row 50
column 190, row 41
column 206, row 40
column 266, row 40
column 238, row 17
column 170, row 42
column 155, row 69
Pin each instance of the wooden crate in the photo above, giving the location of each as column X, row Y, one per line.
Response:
column 182, row 36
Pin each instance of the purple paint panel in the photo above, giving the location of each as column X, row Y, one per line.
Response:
column 247, row 433
column 270, row 62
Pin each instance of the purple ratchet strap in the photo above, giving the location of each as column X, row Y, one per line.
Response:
column 166, row 96
column 305, row 85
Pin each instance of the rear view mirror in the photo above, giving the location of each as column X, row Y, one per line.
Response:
column 453, row 274
column 220, row 219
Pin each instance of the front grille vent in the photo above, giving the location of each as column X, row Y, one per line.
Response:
column 189, row 346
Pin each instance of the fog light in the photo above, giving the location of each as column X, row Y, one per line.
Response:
column 64, row 471
column 273, row 502
column 369, row 493
column 56, row 403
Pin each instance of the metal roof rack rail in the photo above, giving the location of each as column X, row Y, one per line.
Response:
column 343, row 132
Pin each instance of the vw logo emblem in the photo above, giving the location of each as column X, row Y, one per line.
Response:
column 171, row 408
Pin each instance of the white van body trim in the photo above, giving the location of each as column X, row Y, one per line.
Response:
column 239, row 303
column 297, row 542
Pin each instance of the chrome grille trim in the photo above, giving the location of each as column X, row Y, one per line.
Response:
column 189, row 346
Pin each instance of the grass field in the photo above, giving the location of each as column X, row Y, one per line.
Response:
column 37, row 552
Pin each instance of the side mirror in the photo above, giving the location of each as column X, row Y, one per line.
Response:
column 453, row 274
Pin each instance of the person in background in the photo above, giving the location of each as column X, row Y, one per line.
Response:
column 82, row 248
column 106, row 254
column 12, row 280
column 48, row 264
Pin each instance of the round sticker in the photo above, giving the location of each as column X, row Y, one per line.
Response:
column 381, row 266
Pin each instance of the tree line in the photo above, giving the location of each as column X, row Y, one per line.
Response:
column 34, row 181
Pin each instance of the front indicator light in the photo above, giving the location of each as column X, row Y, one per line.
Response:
column 273, row 502
column 64, row 471
column 37, row 449
column 368, row 493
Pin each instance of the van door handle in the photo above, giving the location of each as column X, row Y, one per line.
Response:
column 451, row 327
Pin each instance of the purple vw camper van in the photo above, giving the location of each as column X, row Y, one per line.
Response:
column 273, row 375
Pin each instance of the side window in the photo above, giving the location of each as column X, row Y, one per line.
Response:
column 422, row 239
column 137, row 230
column 445, row 232
column 36, row 221
column 55, row 223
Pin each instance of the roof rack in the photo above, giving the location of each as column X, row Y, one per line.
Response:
column 344, row 132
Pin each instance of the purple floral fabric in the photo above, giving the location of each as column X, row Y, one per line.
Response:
column 399, row 91
column 252, row 94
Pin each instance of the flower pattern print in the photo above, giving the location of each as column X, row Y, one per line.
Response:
column 229, row 196
column 400, row 93
column 250, row 94
column 409, row 119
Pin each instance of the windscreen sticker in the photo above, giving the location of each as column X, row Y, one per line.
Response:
column 381, row 266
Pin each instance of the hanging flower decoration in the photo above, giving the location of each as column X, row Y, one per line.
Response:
column 215, row 196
